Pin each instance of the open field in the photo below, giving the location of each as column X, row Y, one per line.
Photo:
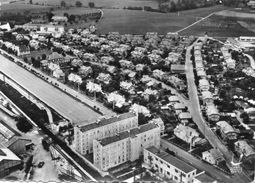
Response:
column 104, row 3
column 219, row 26
column 75, row 11
column 139, row 22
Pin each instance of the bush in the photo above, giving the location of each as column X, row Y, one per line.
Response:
column 78, row 4
column 23, row 125
column 91, row 5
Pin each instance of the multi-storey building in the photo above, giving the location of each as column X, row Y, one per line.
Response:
column 84, row 135
column 126, row 146
column 168, row 166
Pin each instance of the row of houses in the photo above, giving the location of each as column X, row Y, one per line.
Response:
column 204, row 85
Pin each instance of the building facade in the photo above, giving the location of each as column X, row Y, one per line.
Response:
column 168, row 166
column 84, row 135
column 126, row 146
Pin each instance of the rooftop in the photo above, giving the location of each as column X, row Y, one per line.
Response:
column 6, row 154
column 225, row 127
column 130, row 133
column 181, row 165
column 107, row 121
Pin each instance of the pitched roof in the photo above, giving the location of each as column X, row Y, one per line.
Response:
column 8, row 155
column 181, row 165
column 107, row 121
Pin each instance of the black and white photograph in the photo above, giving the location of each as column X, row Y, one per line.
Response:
column 130, row 91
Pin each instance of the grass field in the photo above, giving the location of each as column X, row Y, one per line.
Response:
column 219, row 26
column 104, row 3
column 139, row 22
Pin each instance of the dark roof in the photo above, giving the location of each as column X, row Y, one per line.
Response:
column 205, row 178
column 181, row 165
column 126, row 134
column 2, row 153
column 104, row 122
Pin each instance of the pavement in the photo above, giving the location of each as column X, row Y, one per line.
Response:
column 197, row 116
column 65, row 105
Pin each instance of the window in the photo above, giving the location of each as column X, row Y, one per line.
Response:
column 167, row 173
column 168, row 166
column 176, row 171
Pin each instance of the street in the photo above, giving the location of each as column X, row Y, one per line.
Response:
column 196, row 113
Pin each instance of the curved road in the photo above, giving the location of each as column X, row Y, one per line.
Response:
column 196, row 113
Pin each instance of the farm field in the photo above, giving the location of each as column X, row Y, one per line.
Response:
column 104, row 3
column 139, row 22
column 219, row 26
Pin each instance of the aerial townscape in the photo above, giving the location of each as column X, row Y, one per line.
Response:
column 127, row 91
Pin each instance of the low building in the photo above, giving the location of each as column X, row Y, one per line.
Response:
column 204, row 85
column 177, row 68
column 177, row 82
column 187, row 134
column 168, row 166
column 174, row 99
column 201, row 73
column 125, row 146
column 106, row 127
column 212, row 156
column 207, row 97
column 59, row 19
column 12, row 140
column 184, row 117
column 244, row 150
column 179, row 107
column 227, row 131
column 8, row 162
column 105, row 78
column 212, row 113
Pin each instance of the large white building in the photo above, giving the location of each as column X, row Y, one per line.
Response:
column 84, row 135
column 169, row 166
column 126, row 146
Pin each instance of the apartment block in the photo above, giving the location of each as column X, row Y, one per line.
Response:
column 126, row 146
column 107, row 127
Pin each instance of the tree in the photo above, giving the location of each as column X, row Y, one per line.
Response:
column 66, row 15
column 78, row 4
column 49, row 15
column 91, row 4
column 71, row 18
column 23, row 125
column 63, row 4
column 44, row 56
column 173, row 6
column 30, row 1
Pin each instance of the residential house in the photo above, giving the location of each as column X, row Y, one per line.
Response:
column 168, row 166
column 179, row 107
column 177, row 82
column 207, row 97
column 158, row 74
column 84, row 71
column 213, row 156
column 245, row 150
column 187, row 134
column 102, row 128
column 106, row 59
column 105, row 78
column 59, row 19
column 126, row 146
column 184, row 117
column 173, row 99
column 177, row 68
column 212, row 113
column 204, row 85
column 126, row 64
column 227, row 131
column 201, row 73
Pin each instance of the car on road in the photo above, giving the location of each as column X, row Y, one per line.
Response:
column 40, row 164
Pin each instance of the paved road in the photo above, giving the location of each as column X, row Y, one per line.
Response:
column 75, row 111
column 196, row 113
